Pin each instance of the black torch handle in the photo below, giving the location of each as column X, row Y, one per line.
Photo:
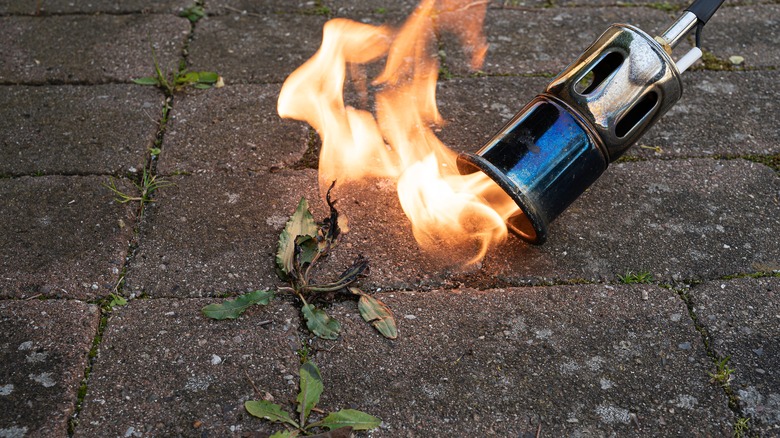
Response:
column 704, row 9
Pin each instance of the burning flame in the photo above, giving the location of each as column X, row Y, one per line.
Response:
column 443, row 206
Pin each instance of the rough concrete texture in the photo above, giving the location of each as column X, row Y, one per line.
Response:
column 720, row 113
column 61, row 237
column 232, row 128
column 212, row 234
column 742, row 318
column 249, row 7
column 581, row 360
column 94, row 49
column 255, row 48
column 43, row 347
column 747, row 31
column 39, row 7
column 108, row 128
column 164, row 369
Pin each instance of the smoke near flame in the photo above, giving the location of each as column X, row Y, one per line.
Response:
column 397, row 140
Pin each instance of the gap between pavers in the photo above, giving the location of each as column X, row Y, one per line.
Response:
column 43, row 351
column 77, row 129
column 742, row 320
column 62, row 236
column 89, row 49
column 590, row 360
column 164, row 369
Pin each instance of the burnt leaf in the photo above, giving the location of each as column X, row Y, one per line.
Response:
column 311, row 389
column 306, row 249
column 355, row 419
column 301, row 223
column 320, row 323
column 359, row 267
column 330, row 230
column 269, row 411
column 233, row 308
column 377, row 314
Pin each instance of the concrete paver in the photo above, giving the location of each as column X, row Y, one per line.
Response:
column 591, row 360
column 255, row 49
column 108, row 128
column 747, row 31
column 93, row 49
column 61, row 237
column 742, row 318
column 93, row 6
column 43, row 349
column 165, row 369
column 232, row 128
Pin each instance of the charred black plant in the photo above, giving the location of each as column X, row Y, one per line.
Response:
column 302, row 245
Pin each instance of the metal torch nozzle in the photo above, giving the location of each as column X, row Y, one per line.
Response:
column 588, row 116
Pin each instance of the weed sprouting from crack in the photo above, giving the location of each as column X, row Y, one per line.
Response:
column 630, row 277
column 147, row 186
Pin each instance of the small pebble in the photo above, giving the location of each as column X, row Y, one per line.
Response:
column 736, row 60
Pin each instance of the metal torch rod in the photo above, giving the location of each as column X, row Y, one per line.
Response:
column 697, row 14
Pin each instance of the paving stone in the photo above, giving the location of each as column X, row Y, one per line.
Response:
column 742, row 318
column 108, row 128
column 164, row 369
column 546, row 40
column 251, row 48
column 88, row 49
column 592, row 360
column 61, row 237
column 720, row 113
column 231, row 128
column 93, row 6
column 684, row 219
column 217, row 233
column 252, row 7
column 43, row 347
column 747, row 31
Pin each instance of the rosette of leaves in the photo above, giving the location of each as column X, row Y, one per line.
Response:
column 340, row 423
column 302, row 244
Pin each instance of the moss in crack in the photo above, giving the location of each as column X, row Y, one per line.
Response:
column 663, row 6
column 712, row 62
column 771, row 161
column 759, row 274
column 83, row 387
column 310, row 158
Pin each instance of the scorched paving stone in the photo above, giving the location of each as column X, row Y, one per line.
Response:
column 231, row 128
column 592, row 360
column 546, row 40
column 680, row 219
column 108, row 128
column 61, row 236
column 92, row 6
column 164, row 369
column 43, row 349
column 89, row 48
column 742, row 319
column 252, row 48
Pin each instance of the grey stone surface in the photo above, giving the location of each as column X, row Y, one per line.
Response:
column 91, row 49
column 108, row 128
column 252, row 48
column 581, row 360
column 43, row 347
column 231, row 128
column 252, row 7
column 747, row 31
column 546, row 40
column 164, row 369
column 742, row 318
column 61, row 237
column 212, row 234
column 720, row 113
column 682, row 219
column 29, row 7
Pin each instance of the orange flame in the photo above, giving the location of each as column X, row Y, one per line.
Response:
column 399, row 143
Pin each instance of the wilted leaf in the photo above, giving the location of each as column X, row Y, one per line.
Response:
column 359, row 266
column 320, row 323
column 233, row 308
column 377, row 314
column 285, row 434
column 301, row 223
column 147, row 81
column 311, row 389
column 306, row 249
column 269, row 411
column 355, row 419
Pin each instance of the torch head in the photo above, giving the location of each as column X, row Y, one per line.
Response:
column 588, row 116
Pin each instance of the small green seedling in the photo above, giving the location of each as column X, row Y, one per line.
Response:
column 193, row 13
column 741, row 427
column 638, row 278
column 302, row 244
column 723, row 373
column 173, row 82
column 148, row 185
column 341, row 422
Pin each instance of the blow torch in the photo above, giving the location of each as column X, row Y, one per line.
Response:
column 550, row 152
